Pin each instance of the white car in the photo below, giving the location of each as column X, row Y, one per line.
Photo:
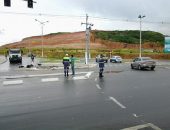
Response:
column 116, row 59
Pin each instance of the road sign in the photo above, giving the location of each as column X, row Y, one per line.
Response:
column 167, row 44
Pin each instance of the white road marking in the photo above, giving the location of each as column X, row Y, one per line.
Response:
column 117, row 102
column 88, row 74
column 98, row 86
column 142, row 126
column 49, row 79
column 79, row 77
column 95, row 79
column 136, row 115
column 83, row 77
column 14, row 82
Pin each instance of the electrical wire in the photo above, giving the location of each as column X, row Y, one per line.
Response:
column 84, row 16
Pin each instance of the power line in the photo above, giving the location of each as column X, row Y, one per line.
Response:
column 83, row 16
column 129, row 20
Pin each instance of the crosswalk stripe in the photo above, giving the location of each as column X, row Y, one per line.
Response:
column 13, row 82
column 79, row 77
column 49, row 79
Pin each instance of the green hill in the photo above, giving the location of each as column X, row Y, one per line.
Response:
column 131, row 37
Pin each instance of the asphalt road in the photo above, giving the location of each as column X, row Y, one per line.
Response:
column 123, row 98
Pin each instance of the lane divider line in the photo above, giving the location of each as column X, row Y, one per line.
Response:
column 14, row 82
column 98, row 86
column 117, row 102
column 95, row 80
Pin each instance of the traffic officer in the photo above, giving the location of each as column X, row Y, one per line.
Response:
column 101, row 66
column 66, row 63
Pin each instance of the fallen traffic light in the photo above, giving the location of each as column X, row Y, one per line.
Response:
column 30, row 3
column 7, row 3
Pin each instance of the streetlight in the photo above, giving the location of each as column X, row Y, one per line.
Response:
column 140, row 17
column 42, row 31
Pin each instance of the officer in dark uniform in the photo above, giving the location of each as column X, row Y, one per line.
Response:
column 101, row 66
column 66, row 63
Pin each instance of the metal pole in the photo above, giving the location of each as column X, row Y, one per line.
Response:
column 42, row 42
column 89, row 43
column 42, row 33
column 86, row 52
column 140, row 50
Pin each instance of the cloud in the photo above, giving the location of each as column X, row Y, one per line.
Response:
column 123, row 8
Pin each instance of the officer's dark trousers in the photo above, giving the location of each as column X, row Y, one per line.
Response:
column 66, row 69
column 101, row 72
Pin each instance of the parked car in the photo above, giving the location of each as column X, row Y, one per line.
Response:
column 143, row 63
column 116, row 59
column 104, row 57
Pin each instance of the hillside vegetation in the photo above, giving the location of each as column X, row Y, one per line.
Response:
column 131, row 37
column 123, row 43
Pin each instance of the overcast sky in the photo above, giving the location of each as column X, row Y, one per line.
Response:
column 120, row 14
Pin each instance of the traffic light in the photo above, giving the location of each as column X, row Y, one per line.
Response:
column 30, row 3
column 7, row 3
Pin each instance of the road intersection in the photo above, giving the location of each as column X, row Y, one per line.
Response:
column 123, row 99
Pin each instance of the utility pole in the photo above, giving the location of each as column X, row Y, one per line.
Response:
column 42, row 40
column 87, row 50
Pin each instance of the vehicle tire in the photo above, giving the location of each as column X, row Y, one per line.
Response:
column 139, row 67
column 152, row 68
column 132, row 66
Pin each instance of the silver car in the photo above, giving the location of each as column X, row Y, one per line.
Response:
column 116, row 59
column 142, row 63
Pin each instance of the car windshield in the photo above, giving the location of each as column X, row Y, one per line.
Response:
column 14, row 51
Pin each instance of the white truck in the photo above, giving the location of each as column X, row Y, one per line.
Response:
column 15, row 55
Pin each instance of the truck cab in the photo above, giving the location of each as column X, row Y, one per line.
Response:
column 15, row 55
